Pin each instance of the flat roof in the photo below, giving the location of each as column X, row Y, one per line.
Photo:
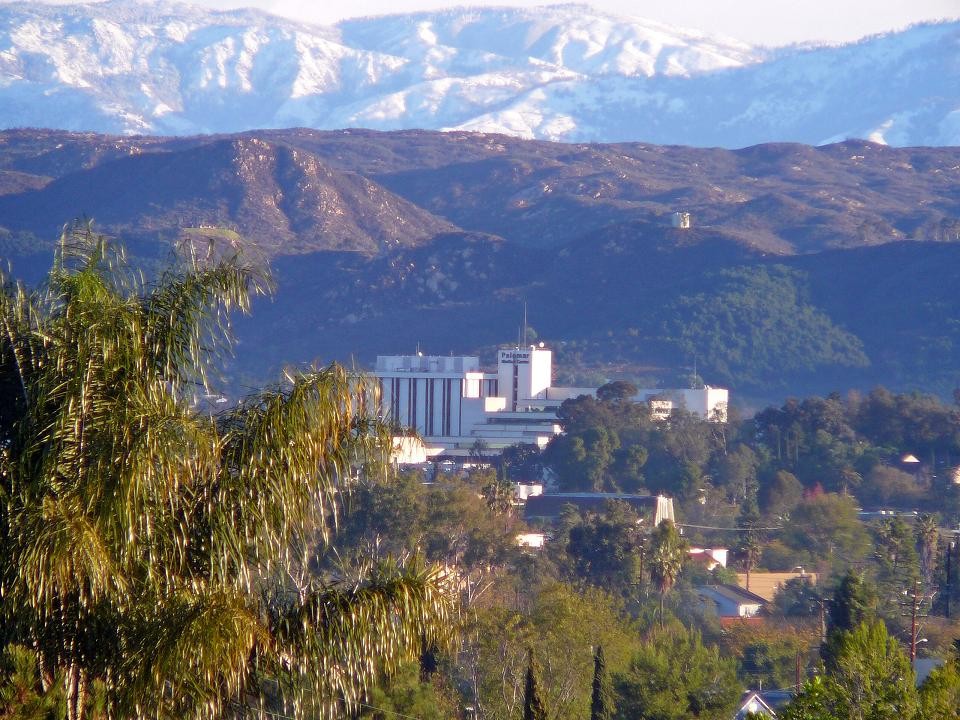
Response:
column 551, row 505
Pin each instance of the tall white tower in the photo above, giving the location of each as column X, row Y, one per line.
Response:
column 524, row 374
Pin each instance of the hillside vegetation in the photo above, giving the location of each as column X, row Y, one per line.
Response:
column 806, row 269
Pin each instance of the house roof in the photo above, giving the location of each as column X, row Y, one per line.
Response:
column 766, row 584
column 734, row 593
column 551, row 505
column 767, row 701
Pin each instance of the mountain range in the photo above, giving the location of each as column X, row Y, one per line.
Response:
column 805, row 269
column 563, row 72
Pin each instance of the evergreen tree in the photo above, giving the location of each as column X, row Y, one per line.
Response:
column 940, row 693
column 533, row 704
column 928, row 536
column 869, row 678
column 853, row 602
column 674, row 676
column 601, row 702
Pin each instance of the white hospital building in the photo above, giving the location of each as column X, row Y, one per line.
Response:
column 452, row 402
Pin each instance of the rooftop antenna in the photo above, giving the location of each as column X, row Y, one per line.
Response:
column 519, row 336
column 524, row 322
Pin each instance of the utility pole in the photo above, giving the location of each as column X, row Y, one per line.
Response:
column 798, row 672
column 913, row 623
column 915, row 601
column 822, row 603
column 950, row 546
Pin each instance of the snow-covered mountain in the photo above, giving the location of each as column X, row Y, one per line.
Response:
column 563, row 72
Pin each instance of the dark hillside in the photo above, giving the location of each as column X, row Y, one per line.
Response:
column 795, row 277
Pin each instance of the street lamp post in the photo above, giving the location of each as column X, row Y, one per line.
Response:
column 950, row 548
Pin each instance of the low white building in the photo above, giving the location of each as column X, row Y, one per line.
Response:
column 709, row 403
column 531, row 540
column 731, row 601
column 709, row 557
column 459, row 408
column 523, row 491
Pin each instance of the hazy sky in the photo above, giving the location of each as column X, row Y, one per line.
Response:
column 772, row 22
column 767, row 22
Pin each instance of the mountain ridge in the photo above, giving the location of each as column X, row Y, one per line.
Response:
column 371, row 192
column 806, row 270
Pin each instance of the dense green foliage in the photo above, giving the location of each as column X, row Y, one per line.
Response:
column 940, row 693
column 755, row 323
column 784, row 457
column 674, row 676
column 408, row 693
column 868, row 677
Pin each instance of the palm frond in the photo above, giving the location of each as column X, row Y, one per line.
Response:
column 187, row 316
column 189, row 654
column 287, row 457
column 60, row 555
column 18, row 348
column 143, row 543
column 340, row 639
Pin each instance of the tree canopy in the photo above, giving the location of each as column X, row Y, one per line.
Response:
column 166, row 554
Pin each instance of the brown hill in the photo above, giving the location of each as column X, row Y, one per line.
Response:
column 303, row 190
column 282, row 198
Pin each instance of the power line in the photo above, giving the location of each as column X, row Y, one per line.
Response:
column 730, row 529
column 281, row 716
column 389, row 712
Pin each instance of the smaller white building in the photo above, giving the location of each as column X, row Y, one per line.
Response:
column 523, row 491
column 710, row 557
column 409, row 450
column 535, row 541
column 708, row 403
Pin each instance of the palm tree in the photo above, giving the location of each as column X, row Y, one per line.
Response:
column 668, row 550
column 168, row 553
column 749, row 546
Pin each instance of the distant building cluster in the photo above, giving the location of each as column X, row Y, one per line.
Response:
column 456, row 406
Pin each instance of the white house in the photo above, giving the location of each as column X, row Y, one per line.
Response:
column 709, row 557
column 532, row 540
column 764, row 704
column 731, row 601
column 523, row 491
